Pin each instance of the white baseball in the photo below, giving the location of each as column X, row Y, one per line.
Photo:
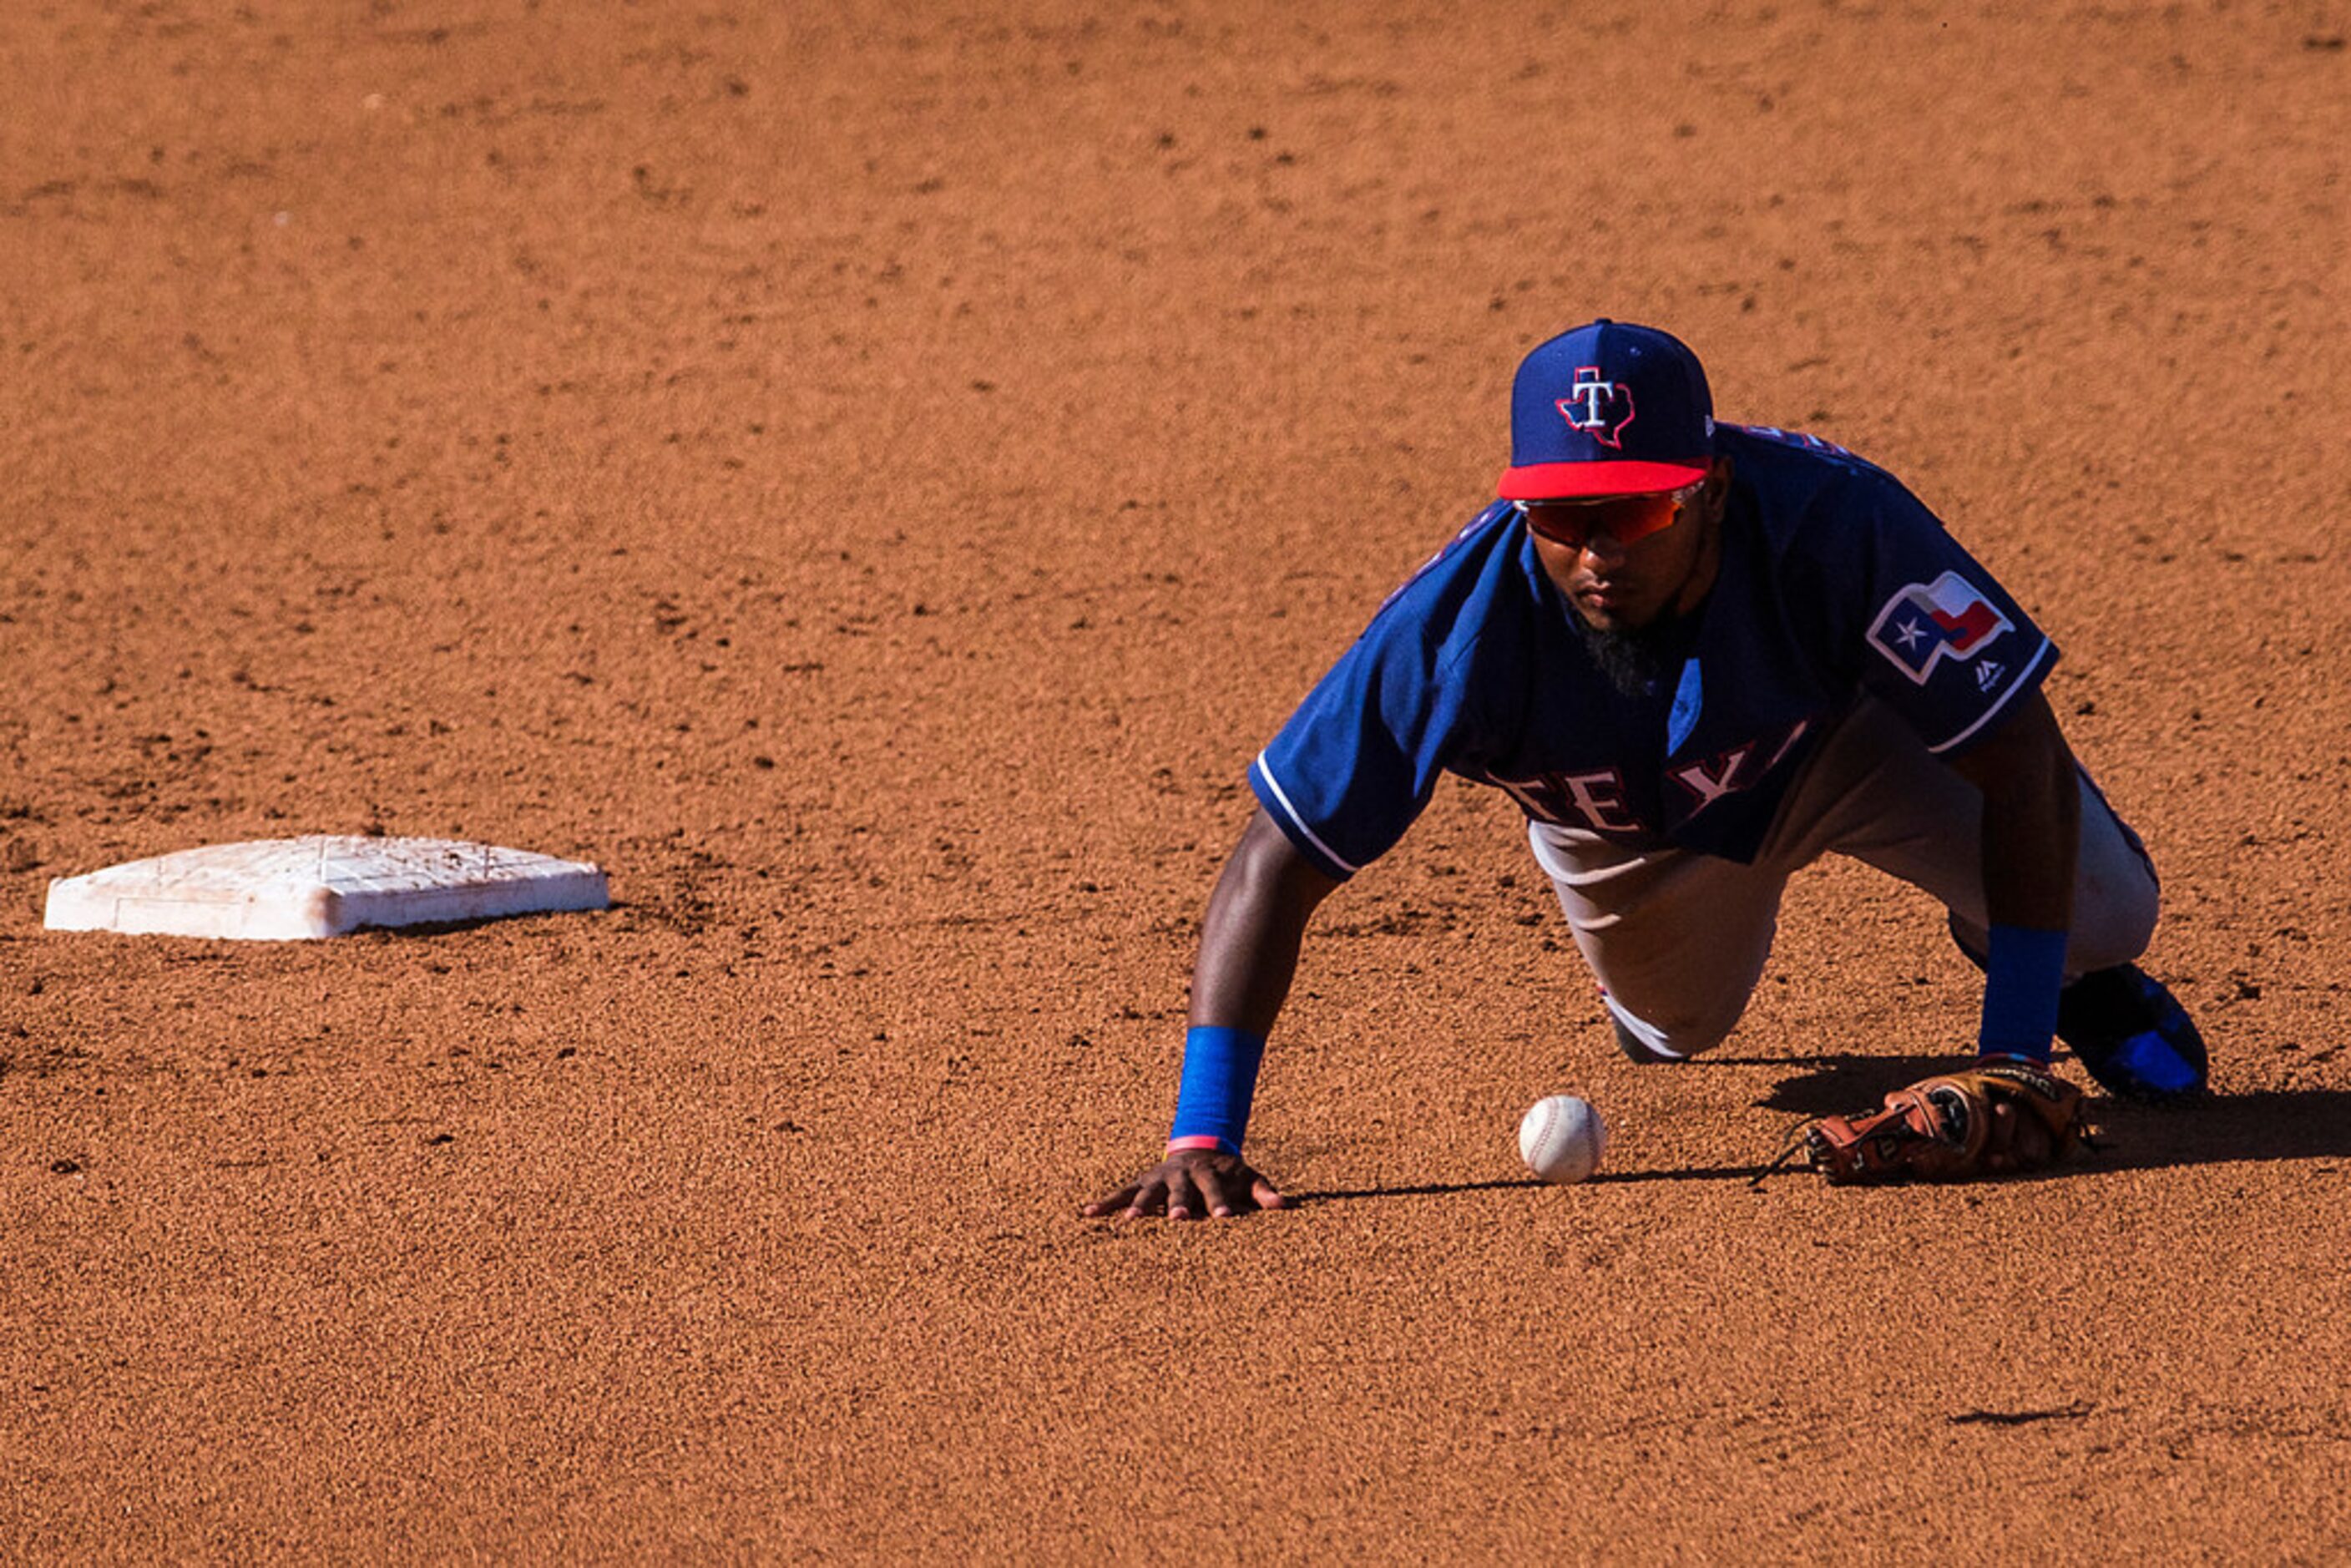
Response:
column 1561, row 1139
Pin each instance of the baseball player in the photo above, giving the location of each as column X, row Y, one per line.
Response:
column 1698, row 657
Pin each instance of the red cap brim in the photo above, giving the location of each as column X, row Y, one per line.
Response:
column 1577, row 481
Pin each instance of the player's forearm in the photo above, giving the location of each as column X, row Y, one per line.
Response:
column 1255, row 925
column 2030, row 848
column 1248, row 953
column 2032, row 841
column 2031, row 822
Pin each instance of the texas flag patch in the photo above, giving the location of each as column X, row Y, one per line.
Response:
column 1928, row 620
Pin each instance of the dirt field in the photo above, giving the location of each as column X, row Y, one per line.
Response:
column 872, row 483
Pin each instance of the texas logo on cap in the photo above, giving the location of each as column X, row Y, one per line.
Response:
column 1609, row 409
column 1598, row 408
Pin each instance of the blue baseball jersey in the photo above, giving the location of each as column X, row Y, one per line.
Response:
column 1835, row 581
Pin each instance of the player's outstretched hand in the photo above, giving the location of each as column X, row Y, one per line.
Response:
column 1191, row 1184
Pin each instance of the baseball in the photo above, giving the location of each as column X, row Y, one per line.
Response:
column 1561, row 1139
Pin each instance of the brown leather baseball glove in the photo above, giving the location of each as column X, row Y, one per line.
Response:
column 1995, row 1120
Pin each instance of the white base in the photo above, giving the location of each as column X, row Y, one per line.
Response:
column 282, row 890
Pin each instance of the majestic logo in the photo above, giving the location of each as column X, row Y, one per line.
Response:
column 1601, row 410
column 1928, row 620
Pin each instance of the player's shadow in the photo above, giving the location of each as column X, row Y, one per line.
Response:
column 1428, row 1189
column 2271, row 1124
column 1836, row 1085
column 1440, row 1189
column 2267, row 1124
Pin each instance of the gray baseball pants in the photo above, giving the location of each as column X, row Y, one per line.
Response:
column 1678, row 939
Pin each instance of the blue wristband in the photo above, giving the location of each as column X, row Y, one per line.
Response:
column 1219, row 1081
column 2021, row 979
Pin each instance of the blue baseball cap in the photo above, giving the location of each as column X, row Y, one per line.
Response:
column 1610, row 408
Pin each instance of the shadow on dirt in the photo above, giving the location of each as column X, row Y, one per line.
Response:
column 2271, row 1124
column 1831, row 1086
column 1604, row 1178
column 524, row 921
column 2275, row 1125
column 1433, row 1189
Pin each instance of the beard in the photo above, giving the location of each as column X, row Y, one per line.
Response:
column 1635, row 660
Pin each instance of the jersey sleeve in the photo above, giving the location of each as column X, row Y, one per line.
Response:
column 1934, row 636
column 1357, row 762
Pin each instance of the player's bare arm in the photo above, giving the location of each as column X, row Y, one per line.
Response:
column 1256, row 922
column 1249, row 955
column 2030, row 845
column 2032, row 817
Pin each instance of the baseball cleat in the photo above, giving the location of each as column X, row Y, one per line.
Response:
column 2132, row 1036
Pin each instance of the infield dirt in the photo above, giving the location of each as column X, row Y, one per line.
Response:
column 871, row 483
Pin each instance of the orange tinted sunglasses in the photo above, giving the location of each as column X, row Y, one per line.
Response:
column 1623, row 518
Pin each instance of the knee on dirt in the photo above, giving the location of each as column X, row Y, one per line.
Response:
column 1674, row 1039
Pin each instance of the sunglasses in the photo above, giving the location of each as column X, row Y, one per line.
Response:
column 1623, row 518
